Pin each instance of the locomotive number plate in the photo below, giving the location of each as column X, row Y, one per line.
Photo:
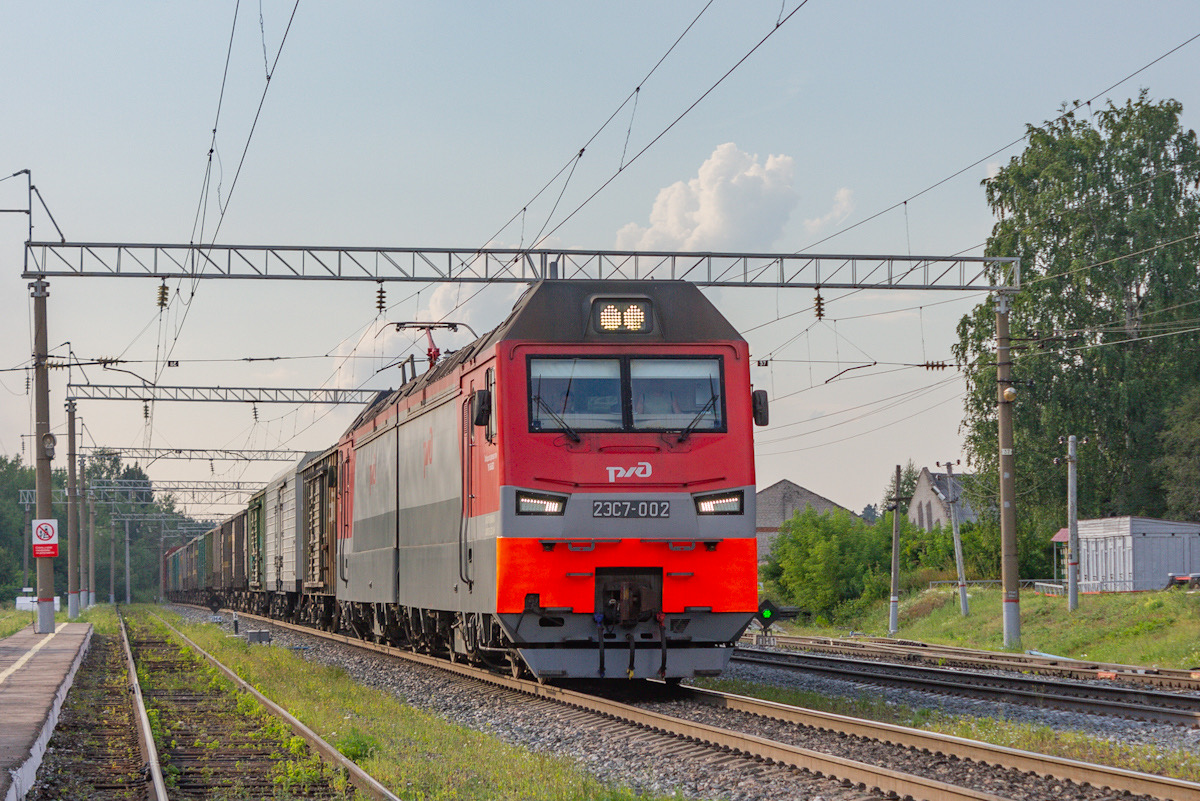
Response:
column 636, row 509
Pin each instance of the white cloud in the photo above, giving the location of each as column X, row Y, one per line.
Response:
column 843, row 204
column 734, row 203
column 993, row 169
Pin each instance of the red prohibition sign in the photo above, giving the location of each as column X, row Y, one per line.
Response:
column 44, row 532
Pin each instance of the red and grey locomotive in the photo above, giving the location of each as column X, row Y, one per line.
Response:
column 571, row 494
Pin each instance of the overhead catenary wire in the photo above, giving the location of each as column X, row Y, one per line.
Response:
column 676, row 121
column 543, row 235
column 864, row 433
column 574, row 160
column 233, row 185
column 903, row 203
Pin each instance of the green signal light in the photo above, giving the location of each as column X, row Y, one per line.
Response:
column 766, row 613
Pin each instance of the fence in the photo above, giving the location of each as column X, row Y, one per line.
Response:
column 1026, row 584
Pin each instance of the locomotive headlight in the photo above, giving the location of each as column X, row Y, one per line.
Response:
column 533, row 503
column 621, row 316
column 721, row 503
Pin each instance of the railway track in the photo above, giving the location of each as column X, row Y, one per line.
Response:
column 950, row 656
column 182, row 736
column 910, row 763
column 99, row 749
column 1097, row 699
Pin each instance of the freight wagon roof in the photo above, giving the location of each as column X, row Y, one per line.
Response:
column 559, row 311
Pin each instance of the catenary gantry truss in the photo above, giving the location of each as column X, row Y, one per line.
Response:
column 158, row 392
column 509, row 265
column 196, row 454
column 115, row 491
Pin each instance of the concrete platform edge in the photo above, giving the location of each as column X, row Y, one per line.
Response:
column 23, row 777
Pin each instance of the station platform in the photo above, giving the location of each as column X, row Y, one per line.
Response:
column 36, row 670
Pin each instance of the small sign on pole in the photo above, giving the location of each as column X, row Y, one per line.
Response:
column 45, row 538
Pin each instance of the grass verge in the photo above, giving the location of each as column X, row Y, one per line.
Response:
column 413, row 753
column 1156, row 629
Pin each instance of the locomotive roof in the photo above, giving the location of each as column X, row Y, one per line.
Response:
column 559, row 311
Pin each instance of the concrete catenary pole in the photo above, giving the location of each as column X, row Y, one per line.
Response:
column 91, row 549
column 894, row 606
column 72, row 519
column 1006, row 393
column 83, row 531
column 44, row 447
column 1072, row 525
column 127, row 599
column 112, row 563
column 958, row 555
column 28, row 548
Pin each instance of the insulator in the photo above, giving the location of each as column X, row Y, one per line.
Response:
column 26, row 386
column 381, row 298
column 819, row 307
column 162, row 296
column 145, row 410
column 254, row 409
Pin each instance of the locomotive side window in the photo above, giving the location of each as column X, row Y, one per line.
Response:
column 489, row 382
column 673, row 394
column 568, row 394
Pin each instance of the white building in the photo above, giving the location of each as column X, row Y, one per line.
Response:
column 1122, row 554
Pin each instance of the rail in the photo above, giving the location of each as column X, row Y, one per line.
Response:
column 364, row 781
column 157, row 789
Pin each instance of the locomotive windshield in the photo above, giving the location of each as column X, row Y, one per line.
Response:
column 626, row 394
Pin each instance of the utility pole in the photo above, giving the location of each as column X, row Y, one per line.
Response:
column 83, row 533
column 44, row 445
column 72, row 518
column 1006, row 393
column 28, row 547
column 112, row 562
column 91, row 549
column 127, row 601
column 1072, row 522
column 162, row 550
column 958, row 557
column 894, row 607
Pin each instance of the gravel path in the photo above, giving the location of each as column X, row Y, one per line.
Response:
column 623, row 761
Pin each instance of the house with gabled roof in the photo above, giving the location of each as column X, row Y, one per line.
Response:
column 780, row 502
column 930, row 504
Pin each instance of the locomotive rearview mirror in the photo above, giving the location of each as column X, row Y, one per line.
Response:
column 481, row 407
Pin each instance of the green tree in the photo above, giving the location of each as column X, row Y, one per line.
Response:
column 1180, row 463
column 1103, row 212
column 908, row 483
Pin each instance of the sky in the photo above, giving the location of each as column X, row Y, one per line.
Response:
column 766, row 127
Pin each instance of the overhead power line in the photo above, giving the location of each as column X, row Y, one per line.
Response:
column 1078, row 104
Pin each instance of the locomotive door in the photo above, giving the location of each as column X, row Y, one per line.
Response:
column 480, row 483
column 468, row 469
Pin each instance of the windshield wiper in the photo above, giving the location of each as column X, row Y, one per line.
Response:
column 570, row 432
column 687, row 432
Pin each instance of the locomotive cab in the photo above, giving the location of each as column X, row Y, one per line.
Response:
column 625, row 541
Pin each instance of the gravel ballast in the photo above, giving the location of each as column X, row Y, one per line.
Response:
column 624, row 760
